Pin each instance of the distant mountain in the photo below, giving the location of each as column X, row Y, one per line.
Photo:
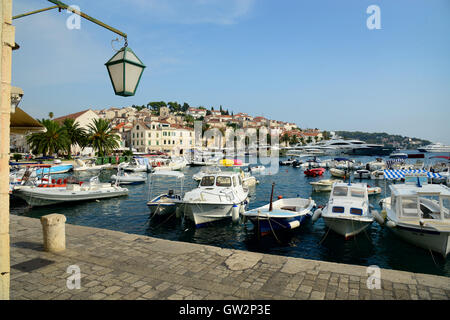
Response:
column 384, row 138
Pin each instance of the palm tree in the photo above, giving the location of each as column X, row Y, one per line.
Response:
column 75, row 134
column 51, row 141
column 285, row 138
column 101, row 138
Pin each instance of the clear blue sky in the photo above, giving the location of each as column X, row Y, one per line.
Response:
column 314, row 63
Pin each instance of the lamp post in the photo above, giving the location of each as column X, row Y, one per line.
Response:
column 131, row 73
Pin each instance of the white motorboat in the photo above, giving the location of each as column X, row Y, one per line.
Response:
column 378, row 164
column 257, row 169
column 373, row 190
column 435, row 147
column 166, row 203
column 420, row 215
column 138, row 164
column 347, row 211
column 89, row 165
column 377, row 175
column 324, row 185
column 283, row 214
column 45, row 195
column 338, row 173
column 218, row 196
column 128, row 178
column 361, row 174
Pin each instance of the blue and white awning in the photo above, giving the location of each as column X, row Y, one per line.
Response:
column 400, row 174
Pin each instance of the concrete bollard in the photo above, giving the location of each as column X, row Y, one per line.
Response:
column 54, row 230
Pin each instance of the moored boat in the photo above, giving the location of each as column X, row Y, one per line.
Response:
column 419, row 214
column 347, row 211
column 324, row 185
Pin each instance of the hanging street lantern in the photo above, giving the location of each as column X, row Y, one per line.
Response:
column 125, row 71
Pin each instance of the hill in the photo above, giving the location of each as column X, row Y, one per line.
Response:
column 389, row 140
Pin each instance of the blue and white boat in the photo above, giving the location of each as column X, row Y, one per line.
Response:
column 55, row 169
column 283, row 214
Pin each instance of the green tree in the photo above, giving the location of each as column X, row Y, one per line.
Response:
column 76, row 135
column 53, row 140
column 294, row 139
column 285, row 138
column 101, row 138
column 50, row 115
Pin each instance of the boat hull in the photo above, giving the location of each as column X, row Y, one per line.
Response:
column 346, row 227
column 204, row 213
column 426, row 239
column 265, row 225
column 37, row 199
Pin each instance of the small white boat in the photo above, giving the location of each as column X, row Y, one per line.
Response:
column 376, row 165
column 420, row 214
column 361, row 174
column 324, row 185
column 218, row 196
column 128, row 178
column 89, row 165
column 138, row 164
column 166, row 203
column 339, row 173
column 45, row 195
column 373, row 190
column 347, row 211
column 283, row 214
column 257, row 169
column 377, row 175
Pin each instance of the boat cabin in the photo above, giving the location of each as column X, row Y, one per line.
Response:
column 224, row 179
column 430, row 202
column 349, row 199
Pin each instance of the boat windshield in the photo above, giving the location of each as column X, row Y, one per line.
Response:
column 207, row 181
column 358, row 193
column 446, row 207
column 223, row 181
column 340, row 191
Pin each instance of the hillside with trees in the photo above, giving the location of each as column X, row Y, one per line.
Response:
column 384, row 138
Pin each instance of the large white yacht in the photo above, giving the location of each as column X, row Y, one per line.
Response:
column 341, row 146
column 435, row 147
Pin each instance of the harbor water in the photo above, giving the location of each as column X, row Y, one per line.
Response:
column 375, row 246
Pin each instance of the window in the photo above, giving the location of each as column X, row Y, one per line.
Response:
column 223, row 181
column 149, row 135
column 165, row 142
column 235, row 183
column 137, row 127
column 133, row 134
column 340, row 191
column 207, row 181
column 157, row 143
column 338, row 209
column 142, row 134
column 356, row 211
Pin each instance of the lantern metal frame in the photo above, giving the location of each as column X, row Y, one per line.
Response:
column 124, row 61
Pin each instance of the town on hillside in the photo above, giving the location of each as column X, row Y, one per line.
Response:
column 167, row 128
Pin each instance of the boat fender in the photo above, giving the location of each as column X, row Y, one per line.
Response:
column 384, row 214
column 294, row 224
column 378, row 218
column 316, row 215
column 391, row 224
column 242, row 208
column 235, row 213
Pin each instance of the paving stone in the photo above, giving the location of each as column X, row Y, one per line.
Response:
column 117, row 265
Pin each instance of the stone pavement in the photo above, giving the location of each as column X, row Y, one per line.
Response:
column 116, row 265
